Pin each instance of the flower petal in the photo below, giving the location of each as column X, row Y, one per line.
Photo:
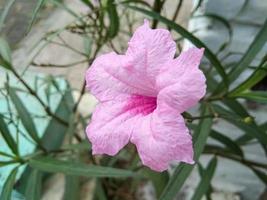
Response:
column 162, row 137
column 181, row 83
column 113, row 122
column 153, row 48
column 111, row 75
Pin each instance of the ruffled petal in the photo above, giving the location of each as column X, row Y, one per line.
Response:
column 111, row 75
column 181, row 83
column 162, row 137
column 113, row 122
column 152, row 48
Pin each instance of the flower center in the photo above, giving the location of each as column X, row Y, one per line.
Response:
column 143, row 105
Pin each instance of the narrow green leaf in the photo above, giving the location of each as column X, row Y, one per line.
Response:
column 179, row 29
column 256, row 77
column 258, row 96
column 77, row 169
column 8, row 186
column 33, row 188
column 71, row 188
column 183, row 170
column 88, row 3
column 202, row 173
column 5, row 54
column 7, row 136
column 114, row 21
column 24, row 115
column 229, row 143
column 254, row 48
column 4, row 163
column 252, row 51
column 249, row 127
column 35, row 12
column 99, row 191
column 205, row 182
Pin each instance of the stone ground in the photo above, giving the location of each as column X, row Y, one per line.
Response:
column 227, row 185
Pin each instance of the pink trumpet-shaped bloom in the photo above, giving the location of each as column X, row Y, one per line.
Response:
column 142, row 95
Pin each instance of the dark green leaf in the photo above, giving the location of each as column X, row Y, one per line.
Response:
column 114, row 21
column 77, row 169
column 249, row 127
column 88, row 3
column 229, row 143
column 179, row 29
column 5, row 54
column 24, row 115
column 254, row 48
column 252, row 51
column 159, row 180
column 8, row 186
column 99, row 191
column 4, row 163
column 33, row 189
column 7, row 136
column 205, row 182
column 183, row 170
column 71, row 188
column 258, row 96
column 256, row 77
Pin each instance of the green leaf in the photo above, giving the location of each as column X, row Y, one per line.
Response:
column 33, row 189
column 77, row 169
column 256, row 77
column 88, row 3
column 71, row 188
column 8, row 186
column 229, row 143
column 252, row 51
column 258, row 96
column 4, row 163
column 7, row 136
column 99, row 191
column 5, row 54
column 159, row 180
column 204, row 185
column 36, row 10
column 179, row 29
column 114, row 21
column 24, row 115
column 250, row 127
column 183, row 170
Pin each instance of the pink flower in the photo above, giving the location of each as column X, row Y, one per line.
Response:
column 142, row 95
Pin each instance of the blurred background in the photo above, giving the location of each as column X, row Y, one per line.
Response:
column 46, row 47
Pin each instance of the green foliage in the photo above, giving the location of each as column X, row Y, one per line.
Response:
column 8, row 187
column 77, row 169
